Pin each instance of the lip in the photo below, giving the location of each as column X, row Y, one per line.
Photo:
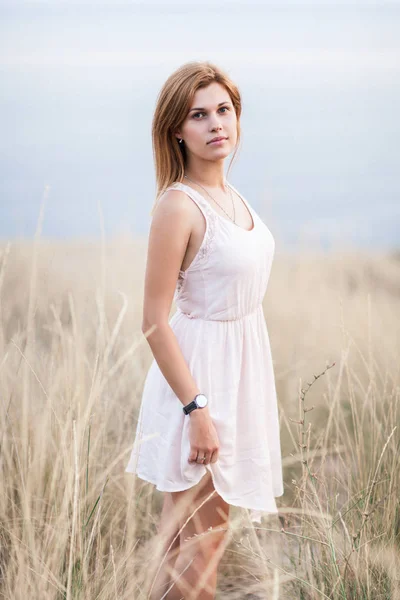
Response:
column 217, row 139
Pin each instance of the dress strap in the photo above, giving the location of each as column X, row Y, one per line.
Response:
column 197, row 198
column 211, row 223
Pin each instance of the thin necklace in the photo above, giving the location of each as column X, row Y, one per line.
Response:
column 230, row 193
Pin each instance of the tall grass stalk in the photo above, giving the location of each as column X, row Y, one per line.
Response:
column 73, row 361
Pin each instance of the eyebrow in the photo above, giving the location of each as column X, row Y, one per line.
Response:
column 224, row 102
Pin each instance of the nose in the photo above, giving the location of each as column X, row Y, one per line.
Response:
column 216, row 126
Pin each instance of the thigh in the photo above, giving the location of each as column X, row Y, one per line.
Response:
column 197, row 510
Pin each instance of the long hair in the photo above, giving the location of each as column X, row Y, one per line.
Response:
column 172, row 107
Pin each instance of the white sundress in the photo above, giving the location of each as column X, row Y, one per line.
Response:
column 220, row 326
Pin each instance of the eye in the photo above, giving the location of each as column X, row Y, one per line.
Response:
column 203, row 113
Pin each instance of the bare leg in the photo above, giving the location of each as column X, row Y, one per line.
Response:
column 203, row 539
column 168, row 541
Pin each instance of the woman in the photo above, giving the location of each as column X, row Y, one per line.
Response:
column 208, row 429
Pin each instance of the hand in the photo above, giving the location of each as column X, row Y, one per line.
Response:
column 203, row 437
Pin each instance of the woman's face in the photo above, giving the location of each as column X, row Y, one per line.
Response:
column 211, row 115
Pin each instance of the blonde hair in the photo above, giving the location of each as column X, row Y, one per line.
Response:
column 172, row 107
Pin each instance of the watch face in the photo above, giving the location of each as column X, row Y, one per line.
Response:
column 201, row 401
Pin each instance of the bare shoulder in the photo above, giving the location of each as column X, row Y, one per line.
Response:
column 170, row 230
column 172, row 221
column 175, row 205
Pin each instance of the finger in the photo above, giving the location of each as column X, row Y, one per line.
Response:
column 206, row 460
column 214, row 456
column 200, row 456
column 193, row 456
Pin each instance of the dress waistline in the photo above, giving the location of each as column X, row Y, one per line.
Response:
column 238, row 318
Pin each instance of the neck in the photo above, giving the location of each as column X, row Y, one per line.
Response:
column 209, row 174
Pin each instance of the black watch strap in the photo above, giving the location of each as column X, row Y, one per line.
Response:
column 189, row 407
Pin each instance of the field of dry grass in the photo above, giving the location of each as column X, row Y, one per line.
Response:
column 73, row 360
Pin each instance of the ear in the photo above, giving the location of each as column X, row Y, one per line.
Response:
column 177, row 134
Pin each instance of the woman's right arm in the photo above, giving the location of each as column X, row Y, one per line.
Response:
column 169, row 235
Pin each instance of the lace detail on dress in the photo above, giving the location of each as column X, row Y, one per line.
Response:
column 209, row 237
column 180, row 282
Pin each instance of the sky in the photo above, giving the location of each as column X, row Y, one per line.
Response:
column 320, row 85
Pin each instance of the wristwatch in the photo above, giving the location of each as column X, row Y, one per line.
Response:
column 199, row 401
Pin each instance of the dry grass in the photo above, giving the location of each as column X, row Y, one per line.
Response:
column 73, row 359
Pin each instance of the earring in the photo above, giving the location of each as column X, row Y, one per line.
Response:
column 180, row 140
